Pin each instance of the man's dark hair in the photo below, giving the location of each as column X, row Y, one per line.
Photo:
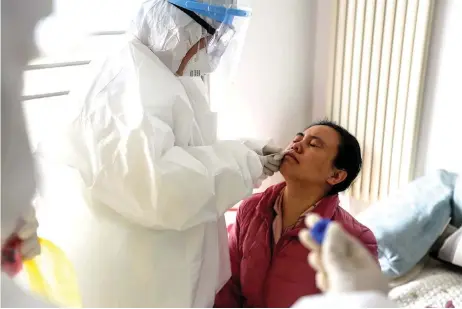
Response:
column 348, row 155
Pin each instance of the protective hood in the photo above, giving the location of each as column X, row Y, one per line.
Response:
column 192, row 37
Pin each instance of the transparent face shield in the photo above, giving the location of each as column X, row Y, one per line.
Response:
column 223, row 30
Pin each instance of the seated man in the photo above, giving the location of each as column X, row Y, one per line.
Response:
column 268, row 262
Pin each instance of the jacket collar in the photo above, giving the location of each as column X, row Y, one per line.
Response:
column 325, row 208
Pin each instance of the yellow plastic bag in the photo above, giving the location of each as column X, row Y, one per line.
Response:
column 52, row 276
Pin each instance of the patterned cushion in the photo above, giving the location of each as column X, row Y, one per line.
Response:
column 435, row 286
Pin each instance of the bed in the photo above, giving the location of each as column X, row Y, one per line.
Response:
column 435, row 285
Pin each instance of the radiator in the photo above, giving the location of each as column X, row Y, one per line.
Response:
column 376, row 77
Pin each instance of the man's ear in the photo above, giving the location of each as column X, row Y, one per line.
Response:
column 337, row 177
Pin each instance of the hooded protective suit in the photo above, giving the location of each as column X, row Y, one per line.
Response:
column 137, row 185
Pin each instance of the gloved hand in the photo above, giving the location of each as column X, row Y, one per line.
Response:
column 261, row 147
column 270, row 156
column 341, row 261
column 271, row 159
column 270, row 150
column 27, row 232
column 271, row 163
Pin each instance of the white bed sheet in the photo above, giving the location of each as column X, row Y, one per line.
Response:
column 437, row 284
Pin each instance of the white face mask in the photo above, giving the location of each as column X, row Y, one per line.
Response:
column 207, row 59
column 199, row 65
column 189, row 58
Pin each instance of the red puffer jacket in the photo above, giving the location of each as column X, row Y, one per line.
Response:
column 263, row 276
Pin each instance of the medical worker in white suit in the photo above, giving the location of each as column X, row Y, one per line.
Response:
column 147, row 227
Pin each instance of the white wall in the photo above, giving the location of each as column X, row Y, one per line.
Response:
column 274, row 76
column 440, row 143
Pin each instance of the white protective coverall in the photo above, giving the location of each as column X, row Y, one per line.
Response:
column 137, row 185
column 18, row 174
